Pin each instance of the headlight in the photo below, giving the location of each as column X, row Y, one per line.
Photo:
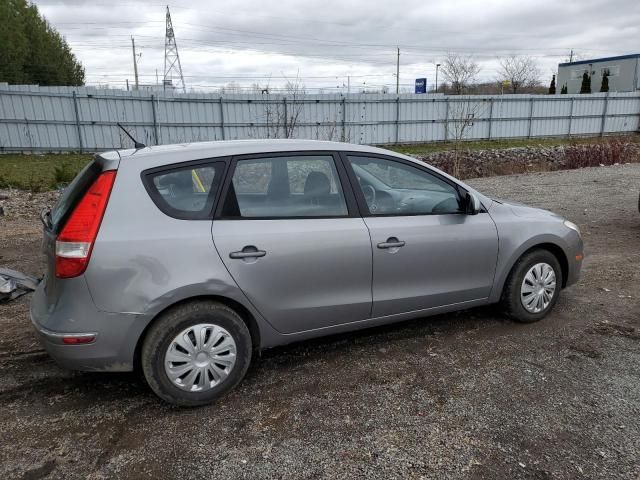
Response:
column 572, row 226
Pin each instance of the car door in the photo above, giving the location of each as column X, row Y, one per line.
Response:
column 290, row 234
column 426, row 251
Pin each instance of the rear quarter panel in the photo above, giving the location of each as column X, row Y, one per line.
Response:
column 144, row 261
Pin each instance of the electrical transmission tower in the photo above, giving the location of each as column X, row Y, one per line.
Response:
column 172, row 67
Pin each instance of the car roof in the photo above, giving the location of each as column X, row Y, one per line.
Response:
column 165, row 154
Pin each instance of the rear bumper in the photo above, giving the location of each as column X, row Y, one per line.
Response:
column 116, row 335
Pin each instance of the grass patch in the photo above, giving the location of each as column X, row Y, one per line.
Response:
column 38, row 173
column 427, row 148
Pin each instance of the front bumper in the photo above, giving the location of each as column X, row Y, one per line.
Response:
column 575, row 257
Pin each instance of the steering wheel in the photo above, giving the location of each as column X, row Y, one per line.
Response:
column 370, row 197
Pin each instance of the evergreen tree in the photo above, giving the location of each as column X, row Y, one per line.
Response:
column 586, row 83
column 31, row 51
column 552, row 87
column 563, row 90
column 604, row 87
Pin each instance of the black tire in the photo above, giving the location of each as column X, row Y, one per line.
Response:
column 511, row 301
column 169, row 325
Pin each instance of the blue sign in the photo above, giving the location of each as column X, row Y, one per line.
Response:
column 421, row 85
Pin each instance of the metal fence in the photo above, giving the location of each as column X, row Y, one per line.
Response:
column 63, row 119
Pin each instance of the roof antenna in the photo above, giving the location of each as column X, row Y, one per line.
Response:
column 136, row 143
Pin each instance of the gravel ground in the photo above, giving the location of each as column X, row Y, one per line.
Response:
column 466, row 395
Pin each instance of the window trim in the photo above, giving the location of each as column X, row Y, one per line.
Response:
column 609, row 67
column 164, row 207
column 362, row 202
column 349, row 197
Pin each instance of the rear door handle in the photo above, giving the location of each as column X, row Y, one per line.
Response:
column 248, row 252
column 392, row 242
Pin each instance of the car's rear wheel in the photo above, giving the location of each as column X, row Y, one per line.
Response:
column 196, row 352
column 533, row 286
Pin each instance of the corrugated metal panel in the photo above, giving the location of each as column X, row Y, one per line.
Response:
column 36, row 118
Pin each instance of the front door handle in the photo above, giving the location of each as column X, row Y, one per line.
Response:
column 248, row 252
column 392, row 242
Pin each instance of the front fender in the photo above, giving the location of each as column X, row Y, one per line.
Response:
column 517, row 235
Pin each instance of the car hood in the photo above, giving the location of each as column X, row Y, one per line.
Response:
column 522, row 210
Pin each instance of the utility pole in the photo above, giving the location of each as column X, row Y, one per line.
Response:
column 571, row 56
column 398, row 73
column 135, row 61
column 437, row 67
column 348, row 84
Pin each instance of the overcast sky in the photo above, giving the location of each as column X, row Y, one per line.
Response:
column 325, row 41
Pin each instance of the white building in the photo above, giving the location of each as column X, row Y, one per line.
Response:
column 623, row 72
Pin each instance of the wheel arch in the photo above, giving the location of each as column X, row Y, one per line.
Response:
column 245, row 314
column 554, row 248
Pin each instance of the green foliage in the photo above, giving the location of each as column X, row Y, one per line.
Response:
column 586, row 83
column 63, row 174
column 604, row 86
column 38, row 173
column 564, row 89
column 31, row 51
column 552, row 87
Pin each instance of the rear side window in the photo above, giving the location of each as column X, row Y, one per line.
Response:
column 285, row 187
column 185, row 192
column 72, row 194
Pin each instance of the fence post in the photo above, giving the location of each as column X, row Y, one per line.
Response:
column 224, row 136
column 155, row 118
column 286, row 132
column 78, row 129
column 570, row 117
column 490, row 116
column 446, row 119
column 344, row 118
column 397, row 119
column 604, row 114
column 530, row 117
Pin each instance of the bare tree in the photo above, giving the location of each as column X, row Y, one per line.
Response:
column 460, row 71
column 463, row 114
column 282, row 115
column 520, row 71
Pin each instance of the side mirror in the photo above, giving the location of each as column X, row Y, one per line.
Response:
column 473, row 204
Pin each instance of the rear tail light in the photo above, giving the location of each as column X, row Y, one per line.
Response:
column 75, row 241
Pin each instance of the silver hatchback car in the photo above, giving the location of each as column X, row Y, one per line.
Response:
column 187, row 260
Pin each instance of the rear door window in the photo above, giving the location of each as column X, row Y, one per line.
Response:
column 297, row 186
column 186, row 192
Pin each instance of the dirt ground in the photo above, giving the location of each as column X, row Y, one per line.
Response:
column 466, row 395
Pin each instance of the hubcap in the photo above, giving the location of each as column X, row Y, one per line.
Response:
column 200, row 357
column 538, row 288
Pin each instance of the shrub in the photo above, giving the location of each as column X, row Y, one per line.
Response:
column 596, row 154
column 586, row 83
column 63, row 174
column 604, row 86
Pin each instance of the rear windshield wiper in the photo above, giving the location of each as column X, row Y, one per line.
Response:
column 45, row 217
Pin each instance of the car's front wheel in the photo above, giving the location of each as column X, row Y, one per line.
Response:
column 533, row 286
column 196, row 352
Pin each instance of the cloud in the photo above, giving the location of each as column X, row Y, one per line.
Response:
column 323, row 42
